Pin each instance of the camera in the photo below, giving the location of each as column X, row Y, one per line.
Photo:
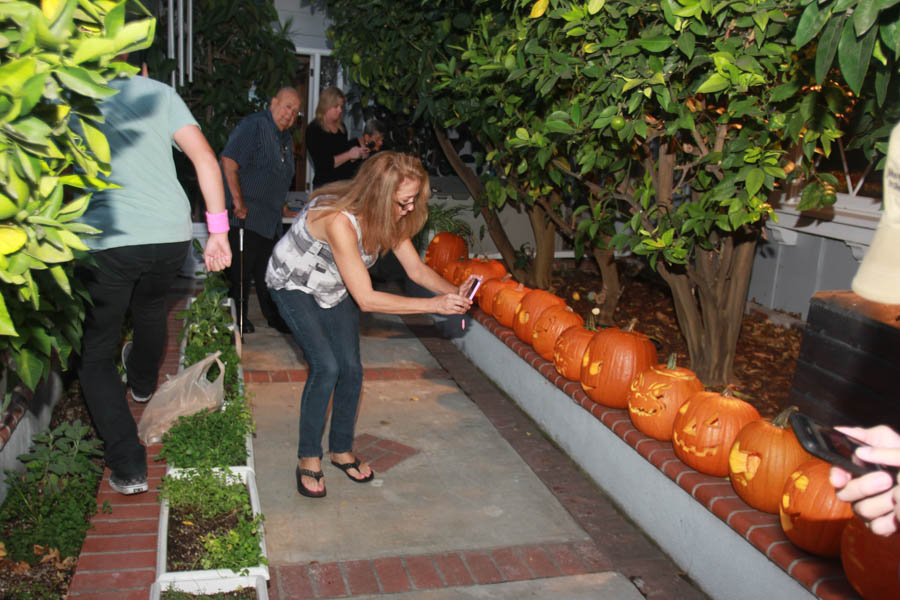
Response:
column 370, row 145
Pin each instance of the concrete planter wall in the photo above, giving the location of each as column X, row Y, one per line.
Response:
column 214, row 586
column 27, row 414
column 732, row 551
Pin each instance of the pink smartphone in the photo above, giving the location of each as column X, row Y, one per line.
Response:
column 476, row 283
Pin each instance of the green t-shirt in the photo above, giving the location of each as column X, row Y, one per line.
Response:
column 151, row 207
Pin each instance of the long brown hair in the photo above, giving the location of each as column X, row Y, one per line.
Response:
column 328, row 99
column 371, row 197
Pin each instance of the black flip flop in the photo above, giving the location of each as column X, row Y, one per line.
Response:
column 317, row 475
column 345, row 467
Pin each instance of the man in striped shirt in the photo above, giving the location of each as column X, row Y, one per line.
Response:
column 258, row 166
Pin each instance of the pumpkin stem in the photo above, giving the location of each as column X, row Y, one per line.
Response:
column 782, row 419
column 591, row 323
column 672, row 362
column 631, row 325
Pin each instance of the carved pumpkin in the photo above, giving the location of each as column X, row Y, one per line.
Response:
column 530, row 308
column 488, row 268
column 453, row 272
column 550, row 325
column 656, row 395
column 705, row 428
column 763, row 456
column 871, row 562
column 612, row 360
column 506, row 302
column 812, row 517
column 568, row 351
column 444, row 248
column 488, row 291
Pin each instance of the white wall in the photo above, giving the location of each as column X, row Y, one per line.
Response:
column 308, row 22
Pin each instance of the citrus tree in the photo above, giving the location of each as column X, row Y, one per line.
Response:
column 393, row 50
column 56, row 57
column 688, row 117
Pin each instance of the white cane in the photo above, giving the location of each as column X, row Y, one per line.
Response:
column 241, row 260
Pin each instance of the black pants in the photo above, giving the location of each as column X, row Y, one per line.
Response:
column 256, row 253
column 135, row 277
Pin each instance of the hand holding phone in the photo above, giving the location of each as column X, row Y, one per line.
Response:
column 473, row 284
column 833, row 446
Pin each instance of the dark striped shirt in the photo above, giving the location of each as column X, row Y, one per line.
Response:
column 265, row 158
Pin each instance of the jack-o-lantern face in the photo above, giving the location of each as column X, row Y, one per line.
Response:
column 705, row 427
column 764, row 454
column 812, row 517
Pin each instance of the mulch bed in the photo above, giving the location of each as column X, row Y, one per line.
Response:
column 766, row 352
column 186, row 533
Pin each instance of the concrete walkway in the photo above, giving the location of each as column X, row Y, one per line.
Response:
column 470, row 500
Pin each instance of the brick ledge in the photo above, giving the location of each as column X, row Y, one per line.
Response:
column 822, row 578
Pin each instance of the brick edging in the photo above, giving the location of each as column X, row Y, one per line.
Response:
column 823, row 577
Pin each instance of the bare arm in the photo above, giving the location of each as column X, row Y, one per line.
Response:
column 420, row 272
column 192, row 142
column 341, row 236
column 354, row 153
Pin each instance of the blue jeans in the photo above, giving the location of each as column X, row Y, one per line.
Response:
column 135, row 277
column 329, row 338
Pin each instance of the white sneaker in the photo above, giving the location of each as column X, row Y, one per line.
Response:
column 129, row 487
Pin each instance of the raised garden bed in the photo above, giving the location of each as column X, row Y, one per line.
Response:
column 730, row 549
column 169, row 575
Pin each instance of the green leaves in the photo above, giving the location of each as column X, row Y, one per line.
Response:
column 55, row 63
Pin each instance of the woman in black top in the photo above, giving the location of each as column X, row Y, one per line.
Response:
column 332, row 153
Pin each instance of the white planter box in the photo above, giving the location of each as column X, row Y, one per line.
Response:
column 250, row 464
column 213, row 586
column 168, row 579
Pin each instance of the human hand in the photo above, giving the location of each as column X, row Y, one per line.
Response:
column 359, row 152
column 240, row 210
column 875, row 496
column 452, row 304
column 217, row 253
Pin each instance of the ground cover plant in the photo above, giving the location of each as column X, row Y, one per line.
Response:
column 45, row 516
column 211, row 523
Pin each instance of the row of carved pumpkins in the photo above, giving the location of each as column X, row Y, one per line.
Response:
column 714, row 433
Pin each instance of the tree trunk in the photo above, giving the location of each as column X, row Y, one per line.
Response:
column 544, row 250
column 710, row 297
column 612, row 287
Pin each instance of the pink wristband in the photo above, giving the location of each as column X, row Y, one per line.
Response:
column 217, row 223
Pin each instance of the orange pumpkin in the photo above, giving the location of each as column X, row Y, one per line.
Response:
column 488, row 290
column 530, row 308
column 568, row 351
column 550, row 325
column 612, row 360
column 486, row 267
column 506, row 302
column 705, row 428
column 444, row 248
column 656, row 395
column 871, row 562
column 763, row 456
column 812, row 517
column 454, row 270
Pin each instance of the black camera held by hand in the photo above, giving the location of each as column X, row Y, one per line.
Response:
column 371, row 146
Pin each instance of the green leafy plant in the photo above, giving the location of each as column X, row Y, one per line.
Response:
column 208, row 328
column 443, row 218
column 204, row 496
column 210, row 438
column 55, row 61
column 50, row 504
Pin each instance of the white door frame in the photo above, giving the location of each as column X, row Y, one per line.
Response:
column 312, row 100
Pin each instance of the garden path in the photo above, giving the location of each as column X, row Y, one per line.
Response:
column 470, row 500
